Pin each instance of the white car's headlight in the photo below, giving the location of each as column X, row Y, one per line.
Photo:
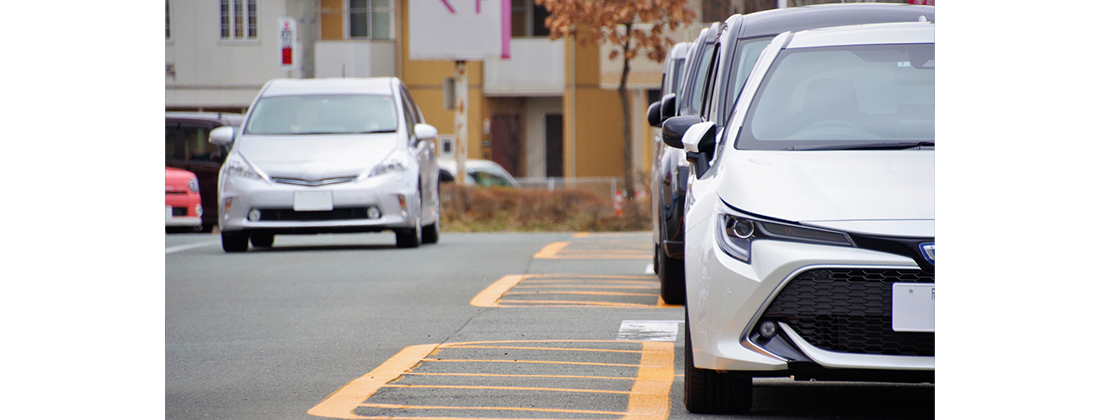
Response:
column 398, row 161
column 236, row 165
column 736, row 231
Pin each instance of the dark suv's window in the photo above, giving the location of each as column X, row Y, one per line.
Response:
column 188, row 142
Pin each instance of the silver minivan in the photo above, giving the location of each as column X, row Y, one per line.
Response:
column 338, row 155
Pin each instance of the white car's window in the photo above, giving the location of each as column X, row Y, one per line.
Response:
column 840, row 97
column 323, row 114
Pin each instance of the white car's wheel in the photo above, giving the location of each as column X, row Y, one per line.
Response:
column 711, row 392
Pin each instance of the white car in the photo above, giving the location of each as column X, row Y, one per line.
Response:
column 479, row 172
column 334, row 155
column 810, row 245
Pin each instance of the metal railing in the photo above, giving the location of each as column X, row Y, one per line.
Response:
column 598, row 185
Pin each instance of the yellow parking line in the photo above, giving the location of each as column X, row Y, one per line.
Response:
column 649, row 397
column 493, row 293
column 341, row 403
column 578, row 303
column 580, row 235
column 537, row 410
column 545, row 349
column 501, row 375
column 510, row 388
column 548, row 362
column 578, row 292
column 550, row 250
column 584, row 285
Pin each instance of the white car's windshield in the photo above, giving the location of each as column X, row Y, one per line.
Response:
column 851, row 97
column 323, row 114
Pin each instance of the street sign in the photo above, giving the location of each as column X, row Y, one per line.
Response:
column 460, row 29
column 288, row 37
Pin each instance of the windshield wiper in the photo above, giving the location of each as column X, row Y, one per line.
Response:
column 893, row 145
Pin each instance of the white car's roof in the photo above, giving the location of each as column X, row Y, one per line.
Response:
column 879, row 33
column 372, row 85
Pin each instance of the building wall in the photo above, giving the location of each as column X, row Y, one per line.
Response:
column 593, row 120
column 425, row 80
column 204, row 71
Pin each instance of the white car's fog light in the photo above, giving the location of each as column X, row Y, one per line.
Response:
column 254, row 215
column 373, row 212
column 768, row 329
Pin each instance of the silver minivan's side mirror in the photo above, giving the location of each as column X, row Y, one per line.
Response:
column 222, row 136
column 424, row 132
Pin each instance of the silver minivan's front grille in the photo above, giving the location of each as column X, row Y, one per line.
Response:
column 305, row 183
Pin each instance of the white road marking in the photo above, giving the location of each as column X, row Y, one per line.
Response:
column 649, row 330
column 649, row 269
column 179, row 248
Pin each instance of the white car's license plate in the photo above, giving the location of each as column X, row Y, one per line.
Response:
column 914, row 307
column 313, row 201
column 167, row 213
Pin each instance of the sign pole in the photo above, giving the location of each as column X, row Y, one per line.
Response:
column 461, row 98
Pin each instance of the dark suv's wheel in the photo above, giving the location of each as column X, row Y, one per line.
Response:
column 234, row 241
column 671, row 273
column 711, row 392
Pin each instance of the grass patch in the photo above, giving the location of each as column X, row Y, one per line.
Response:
column 473, row 209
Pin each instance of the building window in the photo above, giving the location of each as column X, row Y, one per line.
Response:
column 238, row 21
column 355, row 19
column 167, row 20
column 369, row 19
column 529, row 19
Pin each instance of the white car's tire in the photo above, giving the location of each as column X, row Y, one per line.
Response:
column 711, row 392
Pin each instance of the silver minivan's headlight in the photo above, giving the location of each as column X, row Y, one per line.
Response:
column 236, row 165
column 397, row 161
column 736, row 231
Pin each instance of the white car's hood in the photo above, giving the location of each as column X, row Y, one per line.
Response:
column 835, row 188
column 316, row 157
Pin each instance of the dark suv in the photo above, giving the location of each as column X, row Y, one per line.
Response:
column 186, row 146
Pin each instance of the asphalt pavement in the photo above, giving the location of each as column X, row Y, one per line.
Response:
column 481, row 325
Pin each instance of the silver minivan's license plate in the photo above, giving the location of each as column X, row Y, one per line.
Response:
column 313, row 201
column 914, row 307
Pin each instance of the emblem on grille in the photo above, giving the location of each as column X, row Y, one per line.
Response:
column 929, row 252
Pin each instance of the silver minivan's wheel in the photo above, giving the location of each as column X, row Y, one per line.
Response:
column 262, row 240
column 234, row 241
column 711, row 392
column 431, row 232
column 410, row 237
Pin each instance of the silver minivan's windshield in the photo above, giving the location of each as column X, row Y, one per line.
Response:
column 323, row 114
column 843, row 98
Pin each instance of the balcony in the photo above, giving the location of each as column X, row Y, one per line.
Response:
column 537, row 68
column 354, row 58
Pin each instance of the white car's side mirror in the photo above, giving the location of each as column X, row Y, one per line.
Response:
column 699, row 136
column 424, row 132
column 222, row 136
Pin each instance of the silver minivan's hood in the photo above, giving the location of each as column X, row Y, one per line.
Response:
column 316, row 157
column 833, row 186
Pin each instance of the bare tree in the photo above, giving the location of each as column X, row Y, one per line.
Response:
column 632, row 27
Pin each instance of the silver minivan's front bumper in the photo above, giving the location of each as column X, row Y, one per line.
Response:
column 395, row 196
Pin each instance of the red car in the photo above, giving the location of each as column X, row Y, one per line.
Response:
column 182, row 203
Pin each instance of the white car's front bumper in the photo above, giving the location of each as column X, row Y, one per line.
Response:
column 395, row 195
column 727, row 298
